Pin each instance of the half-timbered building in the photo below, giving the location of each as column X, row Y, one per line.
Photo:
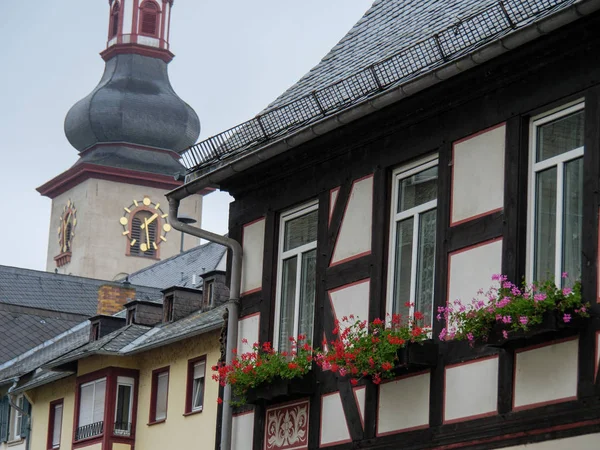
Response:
column 437, row 144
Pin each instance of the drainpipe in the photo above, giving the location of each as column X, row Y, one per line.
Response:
column 13, row 404
column 233, row 304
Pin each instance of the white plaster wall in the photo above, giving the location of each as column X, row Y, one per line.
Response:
column 253, row 243
column 333, row 195
column 334, row 429
column 478, row 174
column 248, row 329
column 471, row 389
column 352, row 299
column 99, row 247
column 585, row 442
column 112, row 41
column 546, row 374
column 359, row 393
column 403, row 404
column 149, row 41
column 15, row 445
column 127, row 8
column 355, row 233
column 222, row 263
column 471, row 269
column 242, row 431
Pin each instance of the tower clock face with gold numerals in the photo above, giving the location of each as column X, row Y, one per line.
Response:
column 145, row 225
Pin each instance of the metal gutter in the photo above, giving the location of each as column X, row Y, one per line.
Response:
column 483, row 54
column 13, row 404
column 232, row 305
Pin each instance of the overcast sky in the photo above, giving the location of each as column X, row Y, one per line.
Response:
column 233, row 57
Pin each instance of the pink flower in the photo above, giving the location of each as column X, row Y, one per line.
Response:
column 523, row 320
column 504, row 334
column 244, row 341
column 498, row 317
column 567, row 318
column 539, row 297
column 470, row 337
column 566, row 291
column 564, row 275
column 507, row 319
column 342, row 371
column 443, row 334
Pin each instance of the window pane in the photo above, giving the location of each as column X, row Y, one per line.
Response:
column 99, row 401
column 426, row 265
column 161, row 396
column 417, row 189
column 57, row 422
column 197, row 393
column 545, row 224
column 572, row 219
column 288, row 295
column 560, row 136
column 403, row 265
column 86, row 405
column 301, row 230
column 307, row 294
column 123, row 407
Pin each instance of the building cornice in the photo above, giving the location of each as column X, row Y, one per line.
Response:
column 138, row 49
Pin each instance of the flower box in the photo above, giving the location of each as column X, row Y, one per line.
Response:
column 417, row 354
column 282, row 388
column 552, row 321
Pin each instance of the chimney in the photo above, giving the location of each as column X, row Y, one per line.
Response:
column 142, row 312
column 180, row 302
column 112, row 298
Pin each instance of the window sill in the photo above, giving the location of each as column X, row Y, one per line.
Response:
column 16, row 441
column 191, row 413
column 156, row 422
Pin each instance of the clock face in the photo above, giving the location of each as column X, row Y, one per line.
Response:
column 66, row 229
column 145, row 225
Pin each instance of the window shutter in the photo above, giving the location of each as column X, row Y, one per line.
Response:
column 25, row 418
column 136, row 231
column 99, row 401
column 86, row 400
column 149, row 19
column 56, row 430
column 4, row 416
column 161, row 396
column 199, row 370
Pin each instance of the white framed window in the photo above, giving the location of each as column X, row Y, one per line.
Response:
column 198, row 370
column 556, row 195
column 160, row 393
column 16, row 420
column 208, row 293
column 124, row 406
column 411, row 266
column 296, row 275
column 91, row 402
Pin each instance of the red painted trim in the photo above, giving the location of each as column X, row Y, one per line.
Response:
column 162, row 24
column 597, row 362
column 471, row 136
column 343, row 441
column 190, row 384
column 479, row 133
column 331, row 263
column 137, row 49
column 251, row 291
column 350, row 258
column 134, row 20
column 366, row 280
column 288, row 404
column 474, row 416
column 462, row 250
column 476, row 216
column 598, row 257
column 401, row 430
column 333, row 202
column 153, row 391
column 548, row 402
column 360, row 411
column 81, row 172
column 53, row 404
column 505, row 437
column 262, row 218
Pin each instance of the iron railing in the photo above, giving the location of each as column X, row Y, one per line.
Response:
column 88, row 431
column 460, row 38
column 122, row 429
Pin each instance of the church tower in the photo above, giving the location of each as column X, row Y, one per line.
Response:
column 109, row 212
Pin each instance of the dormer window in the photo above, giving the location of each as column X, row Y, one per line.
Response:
column 95, row 332
column 114, row 20
column 130, row 316
column 168, row 309
column 208, row 294
column 149, row 19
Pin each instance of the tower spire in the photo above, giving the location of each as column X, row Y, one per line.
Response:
column 139, row 26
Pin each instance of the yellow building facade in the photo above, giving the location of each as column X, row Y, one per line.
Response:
column 177, row 430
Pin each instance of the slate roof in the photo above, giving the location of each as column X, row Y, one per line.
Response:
column 178, row 270
column 56, row 292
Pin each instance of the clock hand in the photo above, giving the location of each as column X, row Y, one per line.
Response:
column 151, row 219
column 147, row 235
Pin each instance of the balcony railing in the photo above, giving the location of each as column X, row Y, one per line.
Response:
column 88, row 431
column 463, row 36
column 122, row 429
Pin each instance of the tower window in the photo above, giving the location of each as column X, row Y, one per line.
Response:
column 114, row 20
column 149, row 19
column 143, row 235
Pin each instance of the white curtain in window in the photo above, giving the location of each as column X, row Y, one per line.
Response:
column 58, row 411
